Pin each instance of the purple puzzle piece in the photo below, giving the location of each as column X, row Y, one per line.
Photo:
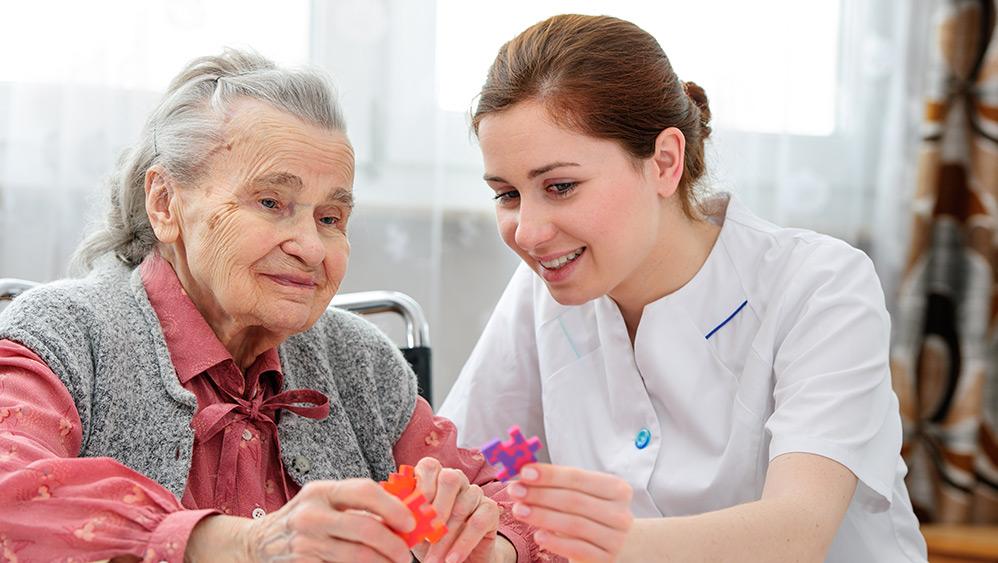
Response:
column 512, row 454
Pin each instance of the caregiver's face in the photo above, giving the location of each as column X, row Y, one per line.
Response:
column 575, row 208
column 262, row 240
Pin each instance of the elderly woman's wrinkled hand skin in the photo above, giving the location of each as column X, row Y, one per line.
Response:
column 357, row 520
column 350, row 520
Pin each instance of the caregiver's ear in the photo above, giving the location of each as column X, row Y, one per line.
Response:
column 668, row 160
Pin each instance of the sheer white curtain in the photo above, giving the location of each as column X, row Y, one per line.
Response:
column 801, row 94
column 76, row 82
column 900, row 123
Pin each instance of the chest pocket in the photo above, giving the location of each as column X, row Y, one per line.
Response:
column 712, row 453
column 593, row 418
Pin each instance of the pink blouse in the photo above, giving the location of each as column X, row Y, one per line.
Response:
column 59, row 507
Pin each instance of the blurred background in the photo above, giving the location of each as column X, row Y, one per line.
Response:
column 810, row 102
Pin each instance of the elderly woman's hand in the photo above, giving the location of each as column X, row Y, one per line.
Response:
column 582, row 515
column 472, row 518
column 350, row 520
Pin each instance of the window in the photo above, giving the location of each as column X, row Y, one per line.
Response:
column 141, row 45
column 793, row 91
column 768, row 66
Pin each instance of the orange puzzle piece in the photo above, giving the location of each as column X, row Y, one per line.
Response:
column 428, row 526
column 401, row 484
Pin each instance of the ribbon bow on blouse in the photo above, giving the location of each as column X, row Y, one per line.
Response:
column 232, row 416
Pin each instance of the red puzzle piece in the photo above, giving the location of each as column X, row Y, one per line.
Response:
column 512, row 454
column 428, row 526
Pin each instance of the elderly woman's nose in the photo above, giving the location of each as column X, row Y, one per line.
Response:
column 304, row 241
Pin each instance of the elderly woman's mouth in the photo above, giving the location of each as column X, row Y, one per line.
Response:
column 289, row 280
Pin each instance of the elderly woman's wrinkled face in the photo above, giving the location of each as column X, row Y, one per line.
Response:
column 262, row 241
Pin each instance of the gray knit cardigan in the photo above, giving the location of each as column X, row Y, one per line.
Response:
column 101, row 336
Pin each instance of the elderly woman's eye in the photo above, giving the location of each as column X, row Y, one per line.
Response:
column 331, row 220
column 269, row 203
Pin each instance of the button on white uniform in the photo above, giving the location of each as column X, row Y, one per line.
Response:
column 259, row 512
column 642, row 439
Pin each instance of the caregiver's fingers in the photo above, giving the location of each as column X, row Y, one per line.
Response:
column 583, row 515
column 593, row 483
column 614, row 513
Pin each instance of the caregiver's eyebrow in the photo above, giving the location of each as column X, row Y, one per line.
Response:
column 535, row 172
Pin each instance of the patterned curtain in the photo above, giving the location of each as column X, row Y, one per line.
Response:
column 944, row 356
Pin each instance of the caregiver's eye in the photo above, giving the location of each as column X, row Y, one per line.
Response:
column 562, row 188
column 506, row 196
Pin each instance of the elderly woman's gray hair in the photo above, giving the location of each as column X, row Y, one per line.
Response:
column 183, row 128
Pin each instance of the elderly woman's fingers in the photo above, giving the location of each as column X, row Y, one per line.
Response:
column 471, row 518
column 476, row 531
column 440, row 485
column 471, row 533
column 363, row 494
column 352, row 520
column 426, row 472
column 344, row 536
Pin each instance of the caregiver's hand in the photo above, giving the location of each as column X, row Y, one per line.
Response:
column 471, row 517
column 349, row 520
column 582, row 515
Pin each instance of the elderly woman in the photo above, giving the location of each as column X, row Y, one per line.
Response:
column 191, row 396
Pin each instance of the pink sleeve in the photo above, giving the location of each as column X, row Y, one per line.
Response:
column 433, row 436
column 58, row 507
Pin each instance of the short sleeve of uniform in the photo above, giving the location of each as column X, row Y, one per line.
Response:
column 832, row 392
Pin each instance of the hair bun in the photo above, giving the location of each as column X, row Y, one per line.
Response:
column 699, row 97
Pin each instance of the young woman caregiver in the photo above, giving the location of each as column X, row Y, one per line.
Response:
column 708, row 386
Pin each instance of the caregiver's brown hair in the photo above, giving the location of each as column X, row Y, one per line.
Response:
column 606, row 78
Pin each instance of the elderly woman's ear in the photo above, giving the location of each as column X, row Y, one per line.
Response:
column 161, row 205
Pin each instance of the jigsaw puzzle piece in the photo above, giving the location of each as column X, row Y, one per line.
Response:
column 428, row 526
column 401, row 484
column 512, row 454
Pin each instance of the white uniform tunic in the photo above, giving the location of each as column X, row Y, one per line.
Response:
column 778, row 344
